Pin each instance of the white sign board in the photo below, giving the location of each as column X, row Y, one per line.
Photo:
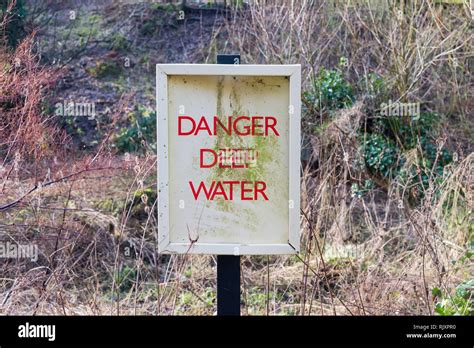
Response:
column 228, row 158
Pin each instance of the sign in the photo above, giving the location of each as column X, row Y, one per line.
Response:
column 228, row 158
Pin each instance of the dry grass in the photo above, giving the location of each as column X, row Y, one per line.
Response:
column 371, row 255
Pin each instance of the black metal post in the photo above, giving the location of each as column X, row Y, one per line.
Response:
column 228, row 266
column 228, row 285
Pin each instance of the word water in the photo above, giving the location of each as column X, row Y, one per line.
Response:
column 228, row 190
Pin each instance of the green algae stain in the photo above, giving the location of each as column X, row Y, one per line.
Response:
column 265, row 147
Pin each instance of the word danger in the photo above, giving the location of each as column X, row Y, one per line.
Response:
column 239, row 159
column 241, row 126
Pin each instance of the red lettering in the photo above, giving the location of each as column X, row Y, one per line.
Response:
column 202, row 187
column 249, row 190
column 231, row 188
column 242, row 126
column 260, row 190
column 243, row 190
column 180, row 129
column 214, row 154
column 271, row 125
column 246, row 128
column 203, row 126
column 227, row 129
column 219, row 190
column 256, row 124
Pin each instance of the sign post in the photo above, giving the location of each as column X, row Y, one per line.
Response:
column 228, row 164
column 228, row 266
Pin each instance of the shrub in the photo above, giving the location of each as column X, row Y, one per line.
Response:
column 427, row 172
column 330, row 91
column 358, row 190
column 375, row 85
column 14, row 30
column 105, row 69
column 381, row 155
column 24, row 84
column 120, row 42
column 404, row 148
column 125, row 279
column 461, row 303
column 373, row 88
column 407, row 131
column 140, row 135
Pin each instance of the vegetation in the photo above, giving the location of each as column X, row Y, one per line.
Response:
column 461, row 303
column 386, row 197
column 139, row 134
column 330, row 90
column 14, row 28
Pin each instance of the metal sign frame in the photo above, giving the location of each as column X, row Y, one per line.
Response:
column 294, row 114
